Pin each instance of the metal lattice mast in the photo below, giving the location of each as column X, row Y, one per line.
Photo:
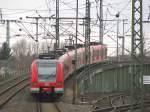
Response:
column 137, row 55
column 57, row 24
column 87, row 32
column 76, row 36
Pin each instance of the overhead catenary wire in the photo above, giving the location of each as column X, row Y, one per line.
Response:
column 70, row 7
column 66, row 30
column 73, row 34
column 48, row 32
column 26, row 31
column 106, row 30
column 119, row 44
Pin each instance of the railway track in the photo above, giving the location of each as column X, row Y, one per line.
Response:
column 116, row 103
column 8, row 92
column 109, row 101
column 11, row 81
column 38, row 106
column 122, row 108
column 47, row 107
column 45, row 103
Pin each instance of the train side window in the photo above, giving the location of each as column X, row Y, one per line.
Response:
column 102, row 52
column 97, row 53
column 93, row 54
column 73, row 61
column 83, row 54
column 78, row 58
column 105, row 52
column 83, row 59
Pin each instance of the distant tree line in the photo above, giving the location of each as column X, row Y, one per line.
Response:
column 22, row 53
column 19, row 56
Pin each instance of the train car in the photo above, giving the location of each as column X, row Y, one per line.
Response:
column 48, row 75
column 98, row 53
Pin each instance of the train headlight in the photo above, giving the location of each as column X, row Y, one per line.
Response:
column 34, row 83
column 59, row 83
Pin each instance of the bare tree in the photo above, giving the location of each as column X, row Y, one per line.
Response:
column 43, row 47
column 23, row 48
column 23, row 52
column 20, row 48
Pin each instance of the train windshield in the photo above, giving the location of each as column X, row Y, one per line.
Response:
column 47, row 71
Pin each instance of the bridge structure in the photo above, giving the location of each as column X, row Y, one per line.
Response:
column 109, row 76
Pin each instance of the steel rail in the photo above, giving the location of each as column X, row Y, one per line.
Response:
column 38, row 106
column 121, row 108
column 57, row 107
column 11, row 79
column 109, row 98
column 8, row 88
column 8, row 93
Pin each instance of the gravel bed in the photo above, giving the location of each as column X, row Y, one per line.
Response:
column 22, row 102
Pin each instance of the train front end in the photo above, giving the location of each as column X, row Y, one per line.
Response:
column 46, row 77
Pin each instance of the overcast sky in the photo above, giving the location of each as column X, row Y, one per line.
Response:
column 14, row 9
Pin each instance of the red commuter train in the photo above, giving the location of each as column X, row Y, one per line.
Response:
column 48, row 75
